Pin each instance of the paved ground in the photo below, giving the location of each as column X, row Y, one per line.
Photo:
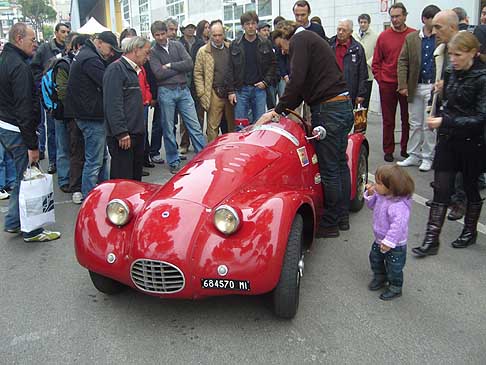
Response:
column 51, row 314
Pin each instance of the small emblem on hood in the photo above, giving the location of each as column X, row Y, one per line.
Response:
column 165, row 214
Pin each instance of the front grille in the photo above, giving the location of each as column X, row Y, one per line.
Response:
column 157, row 276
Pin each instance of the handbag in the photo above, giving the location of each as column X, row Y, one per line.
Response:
column 36, row 200
column 360, row 119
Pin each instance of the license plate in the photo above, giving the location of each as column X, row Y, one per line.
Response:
column 239, row 285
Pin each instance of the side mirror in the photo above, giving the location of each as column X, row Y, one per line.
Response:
column 318, row 133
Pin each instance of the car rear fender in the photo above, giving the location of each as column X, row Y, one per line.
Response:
column 355, row 141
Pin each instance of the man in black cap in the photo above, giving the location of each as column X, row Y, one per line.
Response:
column 85, row 91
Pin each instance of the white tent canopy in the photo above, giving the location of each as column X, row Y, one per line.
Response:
column 92, row 27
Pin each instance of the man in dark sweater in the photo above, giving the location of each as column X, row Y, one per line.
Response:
column 124, row 110
column 315, row 78
column 302, row 11
column 170, row 62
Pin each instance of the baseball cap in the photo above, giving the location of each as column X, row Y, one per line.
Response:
column 110, row 38
column 186, row 25
column 262, row 25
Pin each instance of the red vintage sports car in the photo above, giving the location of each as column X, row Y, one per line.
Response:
column 236, row 219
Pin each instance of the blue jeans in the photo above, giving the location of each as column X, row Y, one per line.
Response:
column 95, row 168
column 281, row 87
column 8, row 173
column 389, row 266
column 337, row 117
column 62, row 154
column 271, row 96
column 250, row 97
column 16, row 148
column 178, row 99
column 51, row 135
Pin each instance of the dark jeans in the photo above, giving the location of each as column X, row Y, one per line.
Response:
column 76, row 156
column 271, row 96
column 156, row 137
column 369, row 87
column 389, row 265
column 126, row 164
column 337, row 118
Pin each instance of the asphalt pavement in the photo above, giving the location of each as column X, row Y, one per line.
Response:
column 50, row 313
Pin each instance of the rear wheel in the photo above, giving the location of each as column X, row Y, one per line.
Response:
column 286, row 294
column 106, row 285
column 361, row 180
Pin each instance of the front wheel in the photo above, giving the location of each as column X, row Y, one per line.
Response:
column 106, row 285
column 361, row 181
column 286, row 294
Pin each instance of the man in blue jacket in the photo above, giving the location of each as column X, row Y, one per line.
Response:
column 351, row 59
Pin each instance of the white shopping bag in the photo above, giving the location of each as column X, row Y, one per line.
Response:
column 36, row 200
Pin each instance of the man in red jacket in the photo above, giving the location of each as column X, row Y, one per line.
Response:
column 384, row 68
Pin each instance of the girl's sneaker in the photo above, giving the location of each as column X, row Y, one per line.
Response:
column 4, row 195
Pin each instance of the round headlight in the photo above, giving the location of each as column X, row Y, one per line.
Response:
column 226, row 219
column 118, row 212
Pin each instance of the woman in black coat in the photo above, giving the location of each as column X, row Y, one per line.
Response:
column 461, row 142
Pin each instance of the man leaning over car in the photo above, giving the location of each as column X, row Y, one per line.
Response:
column 316, row 79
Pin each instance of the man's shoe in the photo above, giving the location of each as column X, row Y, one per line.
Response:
column 182, row 157
column 77, row 197
column 42, row 155
column 4, row 195
column 429, row 203
column 457, row 212
column 148, row 164
column 158, row 160
column 145, row 173
column 377, row 283
column 183, row 150
column 52, row 169
column 389, row 157
column 426, row 165
column 65, row 188
column 44, row 236
column 12, row 230
column 389, row 295
column 174, row 169
column 404, row 154
column 409, row 161
column 343, row 224
column 327, row 232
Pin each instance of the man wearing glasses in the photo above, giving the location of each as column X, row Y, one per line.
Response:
column 252, row 69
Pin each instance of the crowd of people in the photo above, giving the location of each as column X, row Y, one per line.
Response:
column 98, row 118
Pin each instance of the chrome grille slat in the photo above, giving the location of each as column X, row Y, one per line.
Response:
column 157, row 276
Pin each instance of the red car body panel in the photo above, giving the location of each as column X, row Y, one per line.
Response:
column 265, row 175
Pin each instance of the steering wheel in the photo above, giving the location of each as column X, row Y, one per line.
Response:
column 305, row 125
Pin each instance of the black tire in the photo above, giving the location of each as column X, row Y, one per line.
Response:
column 361, row 180
column 106, row 285
column 285, row 296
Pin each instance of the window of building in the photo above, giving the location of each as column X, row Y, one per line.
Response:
column 232, row 12
column 126, row 10
column 176, row 10
column 144, row 11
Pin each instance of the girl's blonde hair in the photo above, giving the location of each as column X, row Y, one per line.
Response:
column 395, row 179
column 465, row 42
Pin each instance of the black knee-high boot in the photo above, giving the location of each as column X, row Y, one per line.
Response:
column 430, row 246
column 469, row 232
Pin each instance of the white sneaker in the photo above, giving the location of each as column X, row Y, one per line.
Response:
column 78, row 197
column 4, row 195
column 426, row 165
column 409, row 161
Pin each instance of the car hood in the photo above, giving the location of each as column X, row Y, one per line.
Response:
column 216, row 172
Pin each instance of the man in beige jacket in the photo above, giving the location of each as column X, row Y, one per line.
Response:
column 212, row 63
column 367, row 37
